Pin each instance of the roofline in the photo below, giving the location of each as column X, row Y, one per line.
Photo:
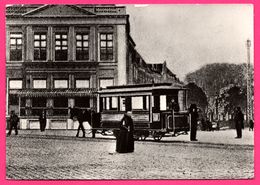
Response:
column 142, row 88
column 51, row 5
column 138, row 85
column 75, row 16
column 131, row 40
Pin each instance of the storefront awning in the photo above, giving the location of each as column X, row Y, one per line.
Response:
column 48, row 93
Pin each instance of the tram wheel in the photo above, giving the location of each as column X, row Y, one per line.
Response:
column 157, row 138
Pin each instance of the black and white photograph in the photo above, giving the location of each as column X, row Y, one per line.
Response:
column 129, row 92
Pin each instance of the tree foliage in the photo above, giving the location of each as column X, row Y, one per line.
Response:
column 222, row 82
column 213, row 77
column 196, row 95
column 232, row 97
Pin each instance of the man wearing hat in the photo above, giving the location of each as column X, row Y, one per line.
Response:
column 13, row 123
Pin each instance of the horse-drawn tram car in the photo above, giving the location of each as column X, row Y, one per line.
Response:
column 157, row 110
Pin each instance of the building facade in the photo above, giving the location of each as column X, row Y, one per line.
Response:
column 58, row 56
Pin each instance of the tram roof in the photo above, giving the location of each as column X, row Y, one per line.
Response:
column 141, row 88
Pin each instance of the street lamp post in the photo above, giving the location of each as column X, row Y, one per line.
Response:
column 249, row 84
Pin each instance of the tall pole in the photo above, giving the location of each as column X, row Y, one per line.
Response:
column 249, row 84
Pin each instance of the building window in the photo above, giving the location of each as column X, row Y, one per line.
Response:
column 22, row 106
column 60, row 83
column 13, row 103
column 16, row 46
column 82, row 46
column 39, row 84
column 61, row 46
column 15, row 84
column 60, row 106
column 106, row 46
column 103, row 83
column 82, row 83
column 38, row 104
column 82, row 102
column 13, row 100
column 40, row 44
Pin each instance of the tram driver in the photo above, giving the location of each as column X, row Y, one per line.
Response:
column 174, row 105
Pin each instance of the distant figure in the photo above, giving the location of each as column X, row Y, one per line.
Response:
column 81, row 118
column 194, row 118
column 239, row 122
column 174, row 106
column 14, row 119
column 251, row 125
column 203, row 124
column 42, row 120
column 209, row 125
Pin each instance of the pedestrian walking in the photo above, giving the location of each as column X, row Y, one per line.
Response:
column 81, row 118
column 193, row 121
column 73, row 111
column 14, row 119
column 42, row 120
column 239, row 122
column 251, row 125
column 125, row 138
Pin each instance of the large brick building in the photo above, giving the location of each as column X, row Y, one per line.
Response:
column 57, row 56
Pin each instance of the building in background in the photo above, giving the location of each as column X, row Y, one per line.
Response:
column 57, row 56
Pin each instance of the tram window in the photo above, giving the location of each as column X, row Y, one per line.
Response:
column 114, row 103
column 140, row 103
column 103, row 104
column 110, row 103
column 137, row 102
column 163, row 105
column 122, row 104
column 107, row 104
column 181, row 100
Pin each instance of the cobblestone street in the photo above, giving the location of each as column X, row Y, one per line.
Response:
column 78, row 158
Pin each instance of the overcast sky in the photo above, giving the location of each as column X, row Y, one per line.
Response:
column 190, row 36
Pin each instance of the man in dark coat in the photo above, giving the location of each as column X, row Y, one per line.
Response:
column 239, row 122
column 95, row 122
column 194, row 118
column 42, row 120
column 125, row 140
column 14, row 119
column 81, row 118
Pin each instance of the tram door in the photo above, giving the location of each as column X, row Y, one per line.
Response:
column 161, row 112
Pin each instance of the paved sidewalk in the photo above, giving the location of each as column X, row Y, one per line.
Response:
column 222, row 137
